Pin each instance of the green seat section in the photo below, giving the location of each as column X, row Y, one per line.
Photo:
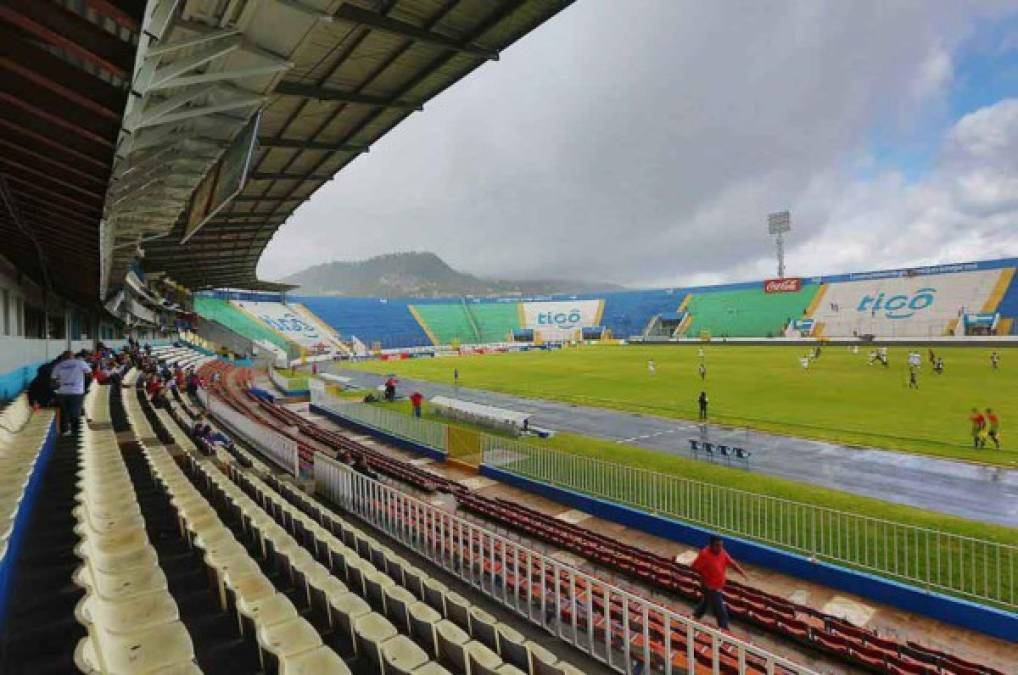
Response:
column 746, row 312
column 236, row 320
column 446, row 324
column 496, row 320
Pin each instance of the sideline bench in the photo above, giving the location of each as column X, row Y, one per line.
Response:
column 712, row 450
column 502, row 419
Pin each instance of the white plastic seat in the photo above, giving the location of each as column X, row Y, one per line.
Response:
column 129, row 615
column 402, row 656
column 319, row 661
column 451, row 642
column 372, row 631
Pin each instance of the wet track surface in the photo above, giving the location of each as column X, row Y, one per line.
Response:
column 985, row 493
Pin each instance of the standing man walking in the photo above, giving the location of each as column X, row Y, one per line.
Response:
column 994, row 424
column 416, row 399
column 702, row 401
column 978, row 423
column 712, row 564
column 69, row 378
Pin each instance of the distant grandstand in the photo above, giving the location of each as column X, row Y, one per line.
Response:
column 976, row 298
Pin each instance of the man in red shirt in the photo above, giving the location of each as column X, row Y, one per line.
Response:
column 415, row 400
column 978, row 423
column 993, row 422
column 711, row 564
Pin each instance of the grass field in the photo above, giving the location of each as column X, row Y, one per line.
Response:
column 839, row 398
column 756, row 483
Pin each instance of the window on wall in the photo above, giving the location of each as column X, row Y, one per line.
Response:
column 57, row 327
column 35, row 322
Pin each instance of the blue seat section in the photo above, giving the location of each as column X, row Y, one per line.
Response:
column 626, row 313
column 1009, row 305
column 370, row 319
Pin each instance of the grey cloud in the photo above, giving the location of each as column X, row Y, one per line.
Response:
column 643, row 142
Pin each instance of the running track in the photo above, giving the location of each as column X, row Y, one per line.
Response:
column 985, row 493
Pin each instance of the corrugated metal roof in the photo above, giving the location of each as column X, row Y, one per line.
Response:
column 353, row 79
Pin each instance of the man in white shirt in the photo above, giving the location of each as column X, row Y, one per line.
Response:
column 69, row 380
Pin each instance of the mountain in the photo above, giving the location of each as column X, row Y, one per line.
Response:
column 420, row 275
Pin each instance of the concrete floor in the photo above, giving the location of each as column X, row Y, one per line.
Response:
column 984, row 493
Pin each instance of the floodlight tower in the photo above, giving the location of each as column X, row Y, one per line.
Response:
column 777, row 224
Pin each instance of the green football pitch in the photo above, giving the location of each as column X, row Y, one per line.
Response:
column 840, row 397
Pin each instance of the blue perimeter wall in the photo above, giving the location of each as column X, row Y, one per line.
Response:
column 16, row 381
column 996, row 622
column 25, row 510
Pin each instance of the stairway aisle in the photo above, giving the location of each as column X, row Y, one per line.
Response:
column 213, row 632
column 42, row 630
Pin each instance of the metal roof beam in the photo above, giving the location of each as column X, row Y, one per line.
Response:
column 71, row 33
column 382, row 23
column 240, row 199
column 311, row 145
column 316, row 93
column 24, row 57
column 268, row 175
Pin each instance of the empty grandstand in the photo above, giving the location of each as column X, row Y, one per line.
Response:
column 751, row 312
column 919, row 303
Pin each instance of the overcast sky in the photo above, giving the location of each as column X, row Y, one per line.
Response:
column 643, row 142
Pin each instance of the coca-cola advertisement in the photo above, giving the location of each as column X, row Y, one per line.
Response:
column 788, row 285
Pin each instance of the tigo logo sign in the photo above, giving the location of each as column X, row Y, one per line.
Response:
column 559, row 320
column 789, row 285
column 897, row 306
column 565, row 320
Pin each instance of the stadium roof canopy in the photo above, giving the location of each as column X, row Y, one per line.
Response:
column 117, row 117
column 327, row 77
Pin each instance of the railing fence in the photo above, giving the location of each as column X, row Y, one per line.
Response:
column 430, row 434
column 280, row 449
column 976, row 568
column 569, row 602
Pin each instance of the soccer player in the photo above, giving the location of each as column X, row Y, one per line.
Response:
column 938, row 365
column 650, row 366
column 994, row 424
column 994, row 359
column 804, row 362
column 456, row 377
column 702, row 402
column 703, row 370
column 913, row 377
column 712, row 564
column 978, row 423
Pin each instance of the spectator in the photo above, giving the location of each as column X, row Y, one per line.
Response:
column 192, row 383
column 416, row 399
column 69, row 377
column 363, row 467
column 712, row 564
column 40, row 390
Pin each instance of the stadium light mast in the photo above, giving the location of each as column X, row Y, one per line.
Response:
column 777, row 224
